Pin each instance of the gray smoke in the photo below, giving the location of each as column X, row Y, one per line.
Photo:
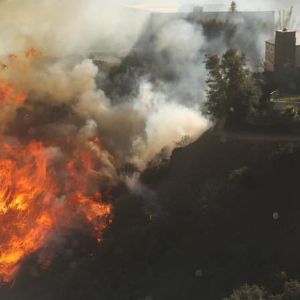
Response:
column 135, row 129
column 139, row 125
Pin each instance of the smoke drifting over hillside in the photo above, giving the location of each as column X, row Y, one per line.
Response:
column 63, row 32
column 58, row 29
column 71, row 134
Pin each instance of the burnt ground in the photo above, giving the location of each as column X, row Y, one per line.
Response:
column 213, row 216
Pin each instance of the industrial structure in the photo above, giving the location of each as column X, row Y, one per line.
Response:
column 282, row 56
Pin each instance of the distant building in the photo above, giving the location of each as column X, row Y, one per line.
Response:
column 251, row 21
column 250, row 17
column 282, row 55
column 244, row 30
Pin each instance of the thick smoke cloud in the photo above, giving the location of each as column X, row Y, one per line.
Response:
column 64, row 32
column 66, row 94
column 136, row 127
column 64, row 27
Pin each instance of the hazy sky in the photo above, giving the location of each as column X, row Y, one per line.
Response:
column 254, row 4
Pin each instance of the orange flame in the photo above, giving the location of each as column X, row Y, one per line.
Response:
column 31, row 53
column 37, row 197
column 9, row 95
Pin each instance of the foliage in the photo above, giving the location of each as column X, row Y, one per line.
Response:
column 212, row 28
column 232, row 93
column 198, row 219
column 184, row 141
column 285, row 150
column 291, row 291
column 248, row 292
column 291, row 113
column 238, row 173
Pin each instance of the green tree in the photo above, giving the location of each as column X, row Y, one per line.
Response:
column 231, row 91
column 248, row 292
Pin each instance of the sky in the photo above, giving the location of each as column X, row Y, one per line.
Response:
column 173, row 5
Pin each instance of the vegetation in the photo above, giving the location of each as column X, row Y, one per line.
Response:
column 212, row 211
column 214, row 28
column 248, row 292
column 291, row 292
column 232, row 94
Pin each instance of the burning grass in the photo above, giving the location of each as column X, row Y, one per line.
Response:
column 43, row 193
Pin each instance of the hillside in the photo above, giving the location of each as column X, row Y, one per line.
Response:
column 225, row 213
column 221, row 196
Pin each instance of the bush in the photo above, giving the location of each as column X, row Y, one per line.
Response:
column 291, row 292
column 248, row 292
column 253, row 292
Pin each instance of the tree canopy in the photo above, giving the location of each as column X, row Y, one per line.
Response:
column 231, row 91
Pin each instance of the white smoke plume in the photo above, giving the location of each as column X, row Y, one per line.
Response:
column 134, row 130
column 139, row 126
column 58, row 28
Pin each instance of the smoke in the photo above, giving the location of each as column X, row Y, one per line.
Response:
column 65, row 89
column 166, row 123
column 139, row 125
column 64, row 33
column 59, row 28
column 135, row 128
column 178, row 49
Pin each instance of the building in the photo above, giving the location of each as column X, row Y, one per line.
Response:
column 250, row 17
column 248, row 23
column 282, row 55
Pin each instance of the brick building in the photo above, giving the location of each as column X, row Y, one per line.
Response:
column 282, row 55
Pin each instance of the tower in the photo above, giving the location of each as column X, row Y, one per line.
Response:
column 285, row 55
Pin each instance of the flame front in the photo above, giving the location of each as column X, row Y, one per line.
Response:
column 44, row 190
column 36, row 199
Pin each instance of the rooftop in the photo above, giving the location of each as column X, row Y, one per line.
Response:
column 272, row 41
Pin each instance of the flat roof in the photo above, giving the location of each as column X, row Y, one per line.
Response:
column 272, row 41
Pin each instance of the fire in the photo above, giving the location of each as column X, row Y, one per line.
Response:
column 31, row 53
column 42, row 192
column 10, row 95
